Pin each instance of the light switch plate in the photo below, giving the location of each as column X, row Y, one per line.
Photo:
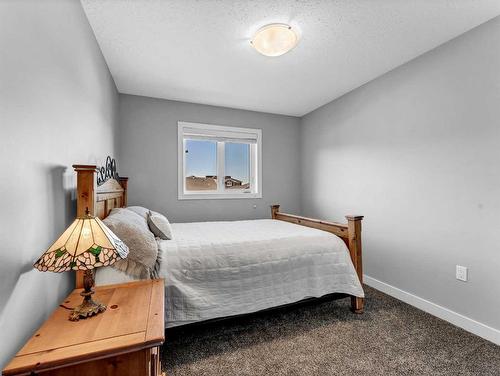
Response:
column 462, row 273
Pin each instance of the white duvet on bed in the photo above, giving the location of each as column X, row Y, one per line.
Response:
column 218, row 269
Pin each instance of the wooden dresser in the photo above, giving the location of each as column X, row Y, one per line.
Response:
column 123, row 340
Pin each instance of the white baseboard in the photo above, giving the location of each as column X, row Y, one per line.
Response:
column 466, row 323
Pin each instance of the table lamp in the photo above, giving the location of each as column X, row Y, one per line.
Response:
column 85, row 245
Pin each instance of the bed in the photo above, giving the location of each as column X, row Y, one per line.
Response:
column 220, row 269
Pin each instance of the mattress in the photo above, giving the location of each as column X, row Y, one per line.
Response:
column 219, row 269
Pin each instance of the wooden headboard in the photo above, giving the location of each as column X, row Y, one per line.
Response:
column 99, row 189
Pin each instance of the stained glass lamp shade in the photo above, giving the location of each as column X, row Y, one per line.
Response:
column 86, row 244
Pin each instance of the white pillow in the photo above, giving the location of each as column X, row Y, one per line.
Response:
column 159, row 225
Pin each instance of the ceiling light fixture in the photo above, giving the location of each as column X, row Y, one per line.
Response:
column 274, row 39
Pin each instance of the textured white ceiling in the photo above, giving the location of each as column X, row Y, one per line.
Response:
column 199, row 51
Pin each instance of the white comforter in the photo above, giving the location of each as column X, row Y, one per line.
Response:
column 218, row 269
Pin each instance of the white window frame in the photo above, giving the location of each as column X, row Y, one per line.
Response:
column 221, row 193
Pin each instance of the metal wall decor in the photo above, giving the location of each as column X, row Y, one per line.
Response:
column 108, row 171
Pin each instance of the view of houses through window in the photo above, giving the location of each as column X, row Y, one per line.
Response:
column 201, row 165
column 217, row 162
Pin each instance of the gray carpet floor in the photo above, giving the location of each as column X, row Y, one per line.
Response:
column 323, row 337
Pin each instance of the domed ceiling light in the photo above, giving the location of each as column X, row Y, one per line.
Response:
column 274, row 39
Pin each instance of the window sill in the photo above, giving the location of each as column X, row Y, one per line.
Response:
column 218, row 196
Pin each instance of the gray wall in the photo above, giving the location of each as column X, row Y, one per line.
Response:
column 58, row 106
column 416, row 151
column 148, row 154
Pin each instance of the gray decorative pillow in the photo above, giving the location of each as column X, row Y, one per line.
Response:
column 159, row 225
column 142, row 211
column 133, row 230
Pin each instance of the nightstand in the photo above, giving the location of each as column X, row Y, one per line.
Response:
column 123, row 340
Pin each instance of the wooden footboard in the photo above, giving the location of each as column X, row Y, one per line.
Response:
column 349, row 232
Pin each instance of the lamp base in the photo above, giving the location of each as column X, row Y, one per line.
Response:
column 89, row 307
column 86, row 309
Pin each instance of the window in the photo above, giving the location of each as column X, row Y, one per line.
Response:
column 219, row 162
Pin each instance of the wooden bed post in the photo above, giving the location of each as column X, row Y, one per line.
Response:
column 274, row 211
column 85, row 198
column 124, row 183
column 354, row 239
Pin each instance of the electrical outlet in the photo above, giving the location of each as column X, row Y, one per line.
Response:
column 461, row 273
